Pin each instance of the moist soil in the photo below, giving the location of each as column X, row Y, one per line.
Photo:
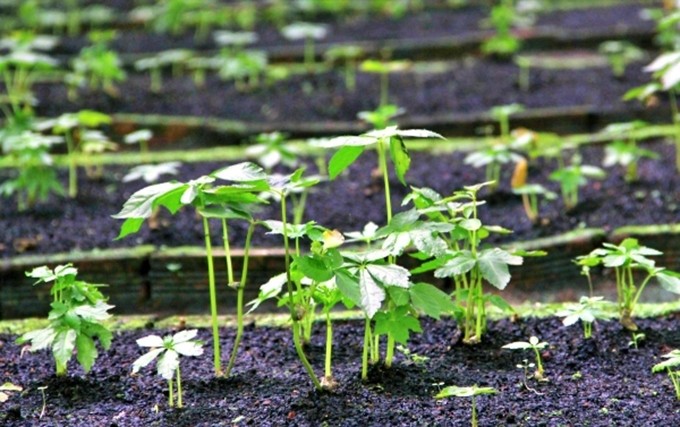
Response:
column 348, row 203
column 463, row 88
column 597, row 382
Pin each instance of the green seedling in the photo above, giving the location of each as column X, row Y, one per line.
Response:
column 224, row 202
column 96, row 66
column 525, row 366
column 536, row 346
column 626, row 152
column 204, row 19
column 382, row 117
column 574, row 176
column 473, row 392
column 270, row 150
column 245, row 68
column 152, row 173
column 625, row 258
column 36, row 176
column 234, row 39
column 635, row 339
column 669, row 365
column 529, row 192
column 587, row 311
column 200, row 65
column 309, row 33
column 620, row 53
column 492, row 159
column 174, row 58
column 503, row 43
column 502, row 115
column 168, row 351
column 141, row 137
column 667, row 33
column 7, row 389
column 76, row 318
column 384, row 69
column 348, row 55
column 73, row 126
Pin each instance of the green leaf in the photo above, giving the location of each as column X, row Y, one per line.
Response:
column 519, row 345
column 145, row 359
column 342, row 159
column 398, row 296
column 39, row 339
column 372, row 295
column 241, row 172
column 348, row 286
column 499, row 302
column 141, row 203
column 455, row 391
column 396, row 323
column 430, row 300
column 87, row 352
column 94, row 313
column 314, row 267
column 167, row 364
column 670, row 281
column 461, row 263
column 390, row 275
column 130, row 226
column 400, row 157
column 493, row 265
column 62, row 348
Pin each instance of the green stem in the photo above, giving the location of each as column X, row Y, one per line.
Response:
column 389, row 353
column 309, row 52
column 227, row 253
column 291, row 304
column 179, row 389
column 384, row 88
column 474, row 412
column 171, row 397
column 382, row 159
column 239, row 299
column 329, row 345
column 639, row 292
column 539, row 365
column 213, row 298
column 676, row 122
column 72, row 167
column 367, row 345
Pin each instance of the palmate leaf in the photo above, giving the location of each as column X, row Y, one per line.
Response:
column 167, row 364
column 94, row 313
column 400, row 157
column 372, row 295
column 493, row 264
column 39, row 338
column 396, row 323
column 62, row 348
column 146, row 358
column 461, row 263
column 430, row 300
column 87, row 352
column 390, row 275
column 241, row 172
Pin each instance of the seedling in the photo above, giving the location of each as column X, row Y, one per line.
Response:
column 502, row 115
column 349, row 54
column 620, row 53
column 473, row 392
column 73, row 126
column 572, row 177
column 626, row 152
column 671, row 362
column 529, row 192
column 525, row 366
column 174, row 58
column 244, row 67
column 492, row 159
column 270, row 150
column 503, row 43
column 221, row 202
column 384, row 69
column 76, row 318
column 97, row 66
column 152, row 173
column 6, row 391
column 587, row 311
column 141, row 137
column 635, row 339
column 309, row 33
column 168, row 351
column 625, row 258
column 536, row 346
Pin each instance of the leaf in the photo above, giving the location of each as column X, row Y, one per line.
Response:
column 428, row 243
column 86, row 351
column 314, row 267
column 151, row 341
column 145, row 359
column 94, row 313
column 455, row 391
column 493, row 265
column 390, row 275
column 39, row 339
column 673, row 360
column 372, row 295
column 348, row 286
column 396, row 323
column 519, row 345
column 189, row 348
column 342, row 159
column 349, row 141
column 62, row 348
column 184, row 336
column 400, row 157
column 461, row 263
column 167, row 364
column 269, row 290
column 241, row 172
column 430, row 300
column 500, row 302
column 670, row 281
column 130, row 226
column 141, row 203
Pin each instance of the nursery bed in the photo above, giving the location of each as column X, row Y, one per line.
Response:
column 599, row 382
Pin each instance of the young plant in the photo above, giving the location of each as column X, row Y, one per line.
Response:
column 245, row 68
column 174, row 58
column 473, row 392
column 529, row 192
column 587, row 311
column 620, row 53
column 492, row 158
column 536, row 346
column 626, row 152
column 671, row 362
column 384, row 69
column 73, row 126
column 503, row 43
column 572, row 177
column 168, row 351
column 97, row 66
column 76, row 318
column 152, row 173
column 502, row 115
column 309, row 33
column 348, row 54
column 626, row 258
column 270, row 150
column 141, row 137
column 219, row 202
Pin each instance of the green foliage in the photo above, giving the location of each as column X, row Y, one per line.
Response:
column 96, row 66
column 672, row 361
column 536, row 346
column 620, row 53
column 471, row 391
column 168, row 351
column 626, row 152
column 270, row 150
column 503, row 43
column 587, row 310
column 626, row 258
column 78, row 310
column 572, row 177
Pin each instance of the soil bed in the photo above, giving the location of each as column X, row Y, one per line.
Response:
column 62, row 225
column 600, row 382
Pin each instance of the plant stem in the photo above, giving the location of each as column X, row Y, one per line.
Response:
column 676, row 122
column 291, row 304
column 179, row 389
column 171, row 397
column 239, row 299
column 382, row 159
column 329, row 346
column 213, row 298
column 367, row 344
column 72, row 167
column 227, row 253
column 384, row 88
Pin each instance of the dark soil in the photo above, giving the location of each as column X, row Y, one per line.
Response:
column 601, row 382
column 469, row 87
column 349, row 203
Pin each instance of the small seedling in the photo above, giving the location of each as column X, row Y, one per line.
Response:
column 141, row 137
column 626, row 258
column 587, row 311
column 525, row 366
column 533, row 344
column 671, row 362
column 270, row 149
column 574, row 176
column 635, row 339
column 624, row 150
column 384, row 69
column 492, row 159
column 349, row 54
column 168, row 351
column 97, row 66
column 529, row 192
column 620, row 53
column 309, row 33
column 473, row 392
column 503, row 43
